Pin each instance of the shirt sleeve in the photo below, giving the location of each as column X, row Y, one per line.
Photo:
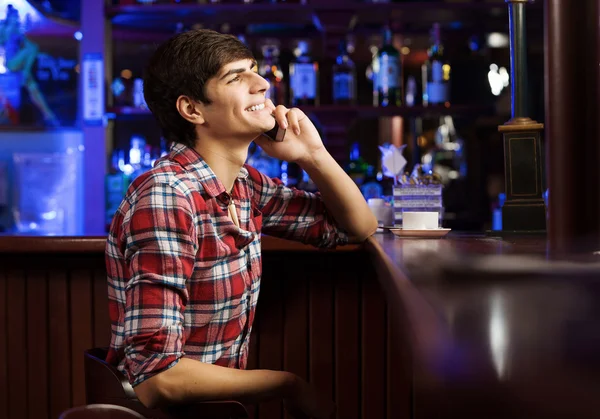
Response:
column 294, row 214
column 160, row 253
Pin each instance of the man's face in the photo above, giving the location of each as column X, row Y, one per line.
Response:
column 237, row 107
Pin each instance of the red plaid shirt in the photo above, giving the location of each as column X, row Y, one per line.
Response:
column 183, row 279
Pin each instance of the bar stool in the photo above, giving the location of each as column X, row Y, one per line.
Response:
column 100, row 411
column 105, row 384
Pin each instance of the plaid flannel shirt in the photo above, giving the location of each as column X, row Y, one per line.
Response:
column 183, row 279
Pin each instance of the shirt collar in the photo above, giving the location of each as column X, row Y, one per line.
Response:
column 193, row 163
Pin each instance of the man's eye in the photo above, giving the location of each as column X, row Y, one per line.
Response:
column 236, row 78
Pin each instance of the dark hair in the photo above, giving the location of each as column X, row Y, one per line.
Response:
column 182, row 66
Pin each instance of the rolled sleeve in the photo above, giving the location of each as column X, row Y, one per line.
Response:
column 160, row 252
column 295, row 214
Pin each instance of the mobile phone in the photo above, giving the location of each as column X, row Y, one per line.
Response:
column 275, row 134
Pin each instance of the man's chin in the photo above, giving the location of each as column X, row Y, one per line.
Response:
column 261, row 129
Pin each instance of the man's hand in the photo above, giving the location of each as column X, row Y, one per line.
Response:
column 304, row 403
column 302, row 140
column 302, row 144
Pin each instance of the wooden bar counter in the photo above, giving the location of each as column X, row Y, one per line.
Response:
column 496, row 328
column 460, row 327
column 321, row 315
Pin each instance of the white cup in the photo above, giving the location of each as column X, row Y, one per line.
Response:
column 376, row 202
column 422, row 220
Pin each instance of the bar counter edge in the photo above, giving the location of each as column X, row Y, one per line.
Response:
column 96, row 244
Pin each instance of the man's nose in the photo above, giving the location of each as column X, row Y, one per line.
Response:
column 260, row 84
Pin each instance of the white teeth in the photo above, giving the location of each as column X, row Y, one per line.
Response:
column 256, row 107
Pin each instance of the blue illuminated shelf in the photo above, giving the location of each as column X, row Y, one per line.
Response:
column 316, row 15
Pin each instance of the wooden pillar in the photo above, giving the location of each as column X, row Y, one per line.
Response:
column 95, row 32
column 524, row 209
column 573, row 123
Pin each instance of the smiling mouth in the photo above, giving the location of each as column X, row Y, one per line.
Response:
column 255, row 108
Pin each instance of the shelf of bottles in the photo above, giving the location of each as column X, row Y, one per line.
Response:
column 298, row 82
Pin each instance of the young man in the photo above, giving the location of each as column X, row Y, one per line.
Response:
column 183, row 255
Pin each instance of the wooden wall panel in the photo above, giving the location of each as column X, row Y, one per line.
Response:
column 59, row 343
column 321, row 327
column 253, row 363
column 374, row 347
column 399, row 371
column 3, row 346
column 17, row 344
column 295, row 325
column 270, row 328
column 320, row 315
column 81, row 329
column 100, row 306
column 37, row 344
column 347, row 349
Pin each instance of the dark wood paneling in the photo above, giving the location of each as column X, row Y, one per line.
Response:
column 81, row 330
column 321, row 326
column 101, row 317
column 253, row 349
column 347, row 349
column 270, row 323
column 295, row 327
column 4, row 384
column 374, row 331
column 37, row 344
column 59, row 343
column 320, row 315
column 399, row 373
column 17, row 345
column 253, row 363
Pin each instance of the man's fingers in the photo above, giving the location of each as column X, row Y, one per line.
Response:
column 292, row 117
column 280, row 116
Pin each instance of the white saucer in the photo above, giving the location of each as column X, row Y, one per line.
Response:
column 432, row 233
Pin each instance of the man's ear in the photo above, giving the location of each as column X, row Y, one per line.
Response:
column 190, row 110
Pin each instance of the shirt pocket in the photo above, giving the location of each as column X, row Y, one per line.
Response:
column 256, row 221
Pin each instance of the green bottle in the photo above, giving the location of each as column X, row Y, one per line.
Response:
column 387, row 73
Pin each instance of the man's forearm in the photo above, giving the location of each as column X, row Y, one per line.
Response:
column 341, row 195
column 191, row 381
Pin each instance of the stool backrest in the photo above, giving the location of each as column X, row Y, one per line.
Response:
column 100, row 411
column 105, row 384
column 104, row 380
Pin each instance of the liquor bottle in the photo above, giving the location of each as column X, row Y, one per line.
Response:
column 437, row 71
column 116, row 183
column 344, row 77
column 371, row 187
column 290, row 173
column 136, row 154
column 411, row 91
column 387, row 73
column 357, row 168
column 304, row 77
column 271, row 71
